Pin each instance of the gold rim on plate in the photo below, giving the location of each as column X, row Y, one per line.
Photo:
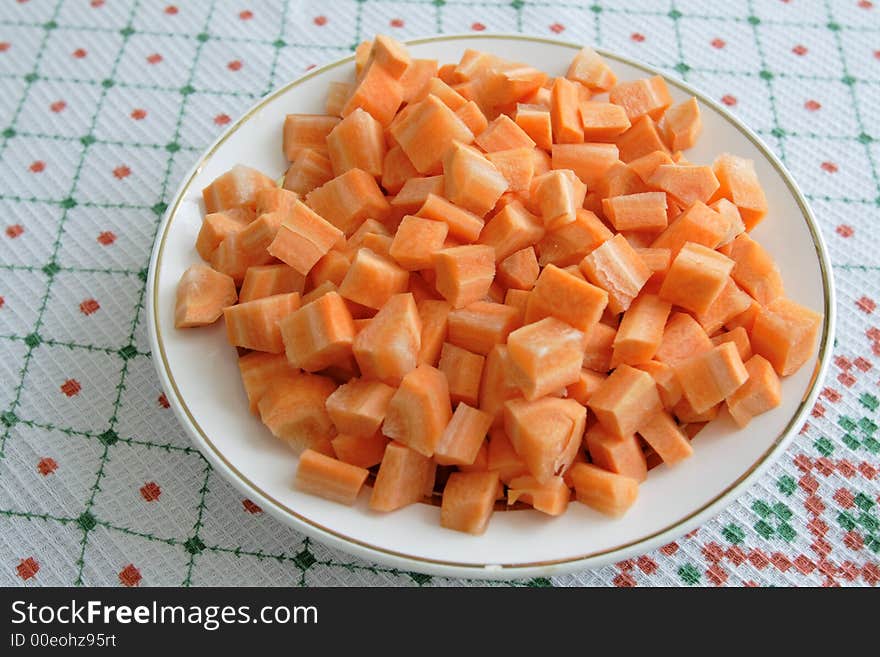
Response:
column 679, row 526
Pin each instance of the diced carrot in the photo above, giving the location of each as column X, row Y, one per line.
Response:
column 293, row 410
column 696, row 278
column 274, row 199
column 378, row 92
column 481, row 461
column 590, row 161
column 269, row 280
column 464, row 273
column 730, row 303
column 357, row 142
column 416, row 77
column 319, row 334
column 347, row 200
column 663, row 435
column 683, row 337
column 621, row 454
column 470, row 180
column 309, row 170
column 237, row 188
column 626, row 399
column 755, row 271
column 517, row 299
column 361, row 451
column 587, row 383
column 419, row 410
column 558, row 194
column 502, row 457
column 545, row 433
column 569, row 244
column 337, row 96
column 496, row 387
column 256, row 237
column 640, row 331
column 378, row 244
column 503, row 134
column 202, row 295
column 615, row 267
column 331, row 267
column 260, row 371
column 667, row 383
column 462, row 223
column 645, row 166
column 732, row 216
column 428, row 132
column 563, row 296
column 545, row 356
column 656, row 259
column 468, row 500
column 647, row 96
column 516, row 165
column 415, row 192
column 565, row 113
column 620, row 180
column 598, row 347
column 707, row 378
column 512, row 228
column 481, row 325
column 444, row 92
column 306, row 131
column 396, row 170
column 362, row 53
column 472, row 116
column 698, row 224
column 416, row 241
column 785, row 333
column 358, row 407
column 682, row 125
column 761, row 393
column 685, row 183
column 590, row 70
column 326, row 477
column 640, row 140
column 433, row 315
column 641, row 212
column 738, row 182
column 551, row 497
column 463, row 436
column 740, row 338
column 687, row 415
column 303, row 238
column 404, row 478
column 606, row 492
column 372, row 280
column 254, row 325
column 388, row 347
column 230, row 258
column 535, row 121
column 463, row 370
column 390, row 54
column 217, row 226
column 519, row 270
column 603, row 121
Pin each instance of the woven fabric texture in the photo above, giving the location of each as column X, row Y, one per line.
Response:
column 105, row 104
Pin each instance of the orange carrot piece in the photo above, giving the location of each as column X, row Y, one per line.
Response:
column 656, row 259
column 416, row 242
column 687, row 415
column 254, row 325
column 535, row 121
column 615, row 267
column 730, row 303
column 682, row 125
column 551, row 497
column 303, row 238
column 378, row 92
column 502, row 457
column 590, row 70
column 357, row 142
column 468, row 500
column 761, row 393
column 663, row 435
column 545, row 356
column 428, row 132
column 388, row 347
column 416, row 77
column 274, row 199
column 396, row 170
column 642, row 139
column 512, row 228
column 707, row 378
column 645, row 166
column 606, row 492
column 337, row 96
column 378, row 244
column 463, row 436
column 565, row 113
column 405, row 477
column 306, row 131
column 357, row 408
column 738, row 182
column 202, row 295
column 755, row 271
column 372, row 280
column 496, row 387
column 732, row 217
column 230, row 258
column 738, row 336
column 785, row 333
column 545, row 433
column 479, row 326
column 696, row 278
column 347, row 200
column 464, row 273
column 569, row 244
column 598, row 347
column 648, row 96
column 626, row 399
column 217, row 226
column 567, row 298
column 636, row 212
column 326, row 477
column 260, row 371
column 319, row 334
column 309, row 170
column 234, row 189
column 685, row 183
column 683, row 337
column 419, row 410
column 558, row 194
column 590, row 162
column 433, row 315
column 587, row 383
column 699, row 224
column 641, row 330
column 331, row 267
column 519, row 270
column 269, row 280
column 415, row 192
column 667, row 383
column 444, row 92
column 463, row 370
column 621, row 454
column 503, row 134
column 293, row 410
column 603, row 121
column 390, row 54
column 517, row 299
column 470, row 180
column 516, row 165
column 481, row 461
column 472, row 116
column 361, row 451
column 462, row 224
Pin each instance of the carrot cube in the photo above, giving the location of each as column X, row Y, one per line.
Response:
column 645, row 211
column 785, row 333
column 545, row 433
column 444, row 92
column 269, row 280
column 462, row 224
column 502, row 457
column 217, row 226
column 357, row 142
column 479, row 326
column 405, row 477
column 740, row 338
column 707, row 378
column 202, row 294
column 495, row 386
column 667, row 383
column 303, row 238
column 337, row 96
column 682, row 125
column 329, row 478
column 254, row 325
column 626, row 399
column 464, row 273
column 468, row 500
column 416, row 241
column 685, row 183
column 545, row 356
column 656, row 259
column 519, row 270
column 606, row 492
column 230, row 258
column 645, row 165
column 615, row 267
column 362, row 451
column 331, row 267
column 378, row 92
column 512, row 228
column 587, row 383
column 309, row 170
column 564, row 112
column 590, row 162
column 663, row 435
column 569, row 244
column 503, row 134
column 415, row 192
column 641, row 330
column 372, row 280
column 640, row 140
column 471, row 181
column 260, row 371
column 598, row 347
column 274, row 199
column 347, row 200
column 463, row 370
column 590, row 70
column 640, row 97
column 390, row 54
column 755, row 271
column 696, row 278
column 388, row 347
column 699, row 224
column 428, row 132
column 516, row 165
column 517, row 299
column 419, row 410
column 683, row 337
column 551, row 497
column 732, row 217
column 761, row 393
column 236, row 188
column 433, row 315
column 293, row 410
column 463, row 436
column 621, row 454
column 358, row 407
column 306, row 131
column 558, row 193
column 535, row 121
column 416, row 78
column 738, row 182
column 730, row 303
column 603, row 121
column 319, row 334
column 396, row 170
column 568, row 298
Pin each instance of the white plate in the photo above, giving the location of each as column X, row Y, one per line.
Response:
column 199, row 372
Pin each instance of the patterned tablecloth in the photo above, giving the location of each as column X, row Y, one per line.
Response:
column 106, row 103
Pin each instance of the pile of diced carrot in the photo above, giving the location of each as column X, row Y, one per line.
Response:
column 483, row 283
